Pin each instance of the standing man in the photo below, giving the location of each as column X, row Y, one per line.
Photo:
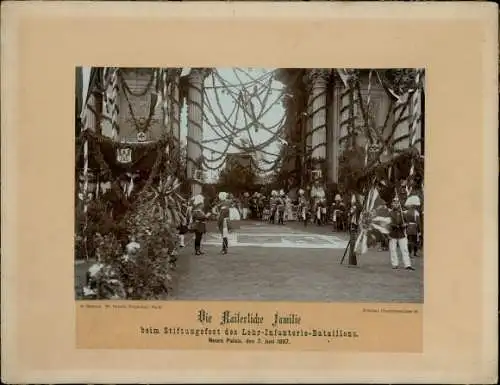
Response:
column 288, row 208
column 184, row 226
column 412, row 218
column 338, row 208
column 223, row 221
column 199, row 222
column 397, row 237
column 353, row 225
column 245, row 204
column 280, row 204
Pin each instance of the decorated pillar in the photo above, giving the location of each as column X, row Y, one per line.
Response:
column 195, row 128
column 176, row 104
column 335, row 131
column 347, row 113
column 112, row 100
column 171, row 101
column 416, row 111
column 406, row 85
column 318, row 83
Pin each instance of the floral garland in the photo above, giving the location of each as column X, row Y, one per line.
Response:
column 141, row 125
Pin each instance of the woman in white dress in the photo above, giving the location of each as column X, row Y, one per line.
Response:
column 234, row 213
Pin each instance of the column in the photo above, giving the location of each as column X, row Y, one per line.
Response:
column 346, row 116
column 319, row 83
column 176, row 106
column 195, row 128
column 334, row 134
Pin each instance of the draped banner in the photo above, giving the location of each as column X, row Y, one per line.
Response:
column 121, row 158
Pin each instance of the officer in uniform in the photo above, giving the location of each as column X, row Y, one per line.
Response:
column 398, row 237
column 412, row 218
column 353, row 225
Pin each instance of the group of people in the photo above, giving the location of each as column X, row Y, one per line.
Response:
column 405, row 229
column 404, row 232
column 196, row 217
column 279, row 208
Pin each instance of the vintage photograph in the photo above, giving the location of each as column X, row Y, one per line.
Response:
column 249, row 184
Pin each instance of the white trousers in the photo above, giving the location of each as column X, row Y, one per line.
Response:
column 393, row 250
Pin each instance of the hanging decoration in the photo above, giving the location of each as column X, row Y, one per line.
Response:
column 141, row 137
column 252, row 101
column 141, row 123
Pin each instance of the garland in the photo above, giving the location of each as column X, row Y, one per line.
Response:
column 222, row 125
column 141, row 127
column 144, row 91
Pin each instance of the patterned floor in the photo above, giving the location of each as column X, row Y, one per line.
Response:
column 277, row 236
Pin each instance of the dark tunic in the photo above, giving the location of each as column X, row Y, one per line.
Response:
column 199, row 221
column 412, row 219
column 280, row 204
column 397, row 228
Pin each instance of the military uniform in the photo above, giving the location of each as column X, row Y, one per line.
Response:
column 199, row 227
column 223, row 225
column 397, row 237
column 412, row 218
column 353, row 226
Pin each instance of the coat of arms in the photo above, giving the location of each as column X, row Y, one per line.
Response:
column 124, row 155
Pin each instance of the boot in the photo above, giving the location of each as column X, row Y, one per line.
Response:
column 224, row 246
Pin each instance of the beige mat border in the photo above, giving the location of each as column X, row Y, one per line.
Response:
column 43, row 42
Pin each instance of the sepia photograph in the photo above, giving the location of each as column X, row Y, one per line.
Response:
column 252, row 192
column 251, row 184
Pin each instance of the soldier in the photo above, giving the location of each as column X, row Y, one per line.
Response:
column 280, row 207
column 397, row 237
column 288, row 209
column 184, row 226
column 354, row 213
column 412, row 218
column 223, row 221
column 199, row 222
column 338, row 209
column 273, row 206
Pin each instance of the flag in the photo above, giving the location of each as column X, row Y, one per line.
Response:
column 374, row 217
column 344, row 76
column 400, row 99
